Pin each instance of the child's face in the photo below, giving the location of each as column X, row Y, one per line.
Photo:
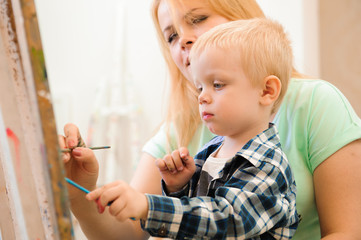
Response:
column 228, row 102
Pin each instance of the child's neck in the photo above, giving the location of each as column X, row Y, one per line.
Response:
column 232, row 144
column 229, row 149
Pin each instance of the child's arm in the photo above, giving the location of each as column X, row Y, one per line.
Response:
column 249, row 205
column 176, row 169
column 124, row 201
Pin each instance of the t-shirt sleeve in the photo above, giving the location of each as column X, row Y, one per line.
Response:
column 332, row 123
column 158, row 144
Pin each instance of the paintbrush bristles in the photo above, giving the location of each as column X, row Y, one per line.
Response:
column 92, row 148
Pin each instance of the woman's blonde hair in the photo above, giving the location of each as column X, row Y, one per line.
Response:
column 261, row 47
column 182, row 110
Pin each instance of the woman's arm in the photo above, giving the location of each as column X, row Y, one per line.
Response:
column 82, row 166
column 338, row 193
column 146, row 178
column 105, row 226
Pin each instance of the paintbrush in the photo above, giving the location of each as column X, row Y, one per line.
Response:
column 92, row 148
column 86, row 191
column 77, row 185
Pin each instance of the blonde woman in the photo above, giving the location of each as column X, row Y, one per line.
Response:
column 319, row 131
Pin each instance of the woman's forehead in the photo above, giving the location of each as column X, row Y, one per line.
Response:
column 172, row 11
column 179, row 8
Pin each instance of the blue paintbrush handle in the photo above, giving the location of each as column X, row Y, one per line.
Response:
column 85, row 190
column 77, row 185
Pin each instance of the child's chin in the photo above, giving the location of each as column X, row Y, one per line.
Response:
column 215, row 130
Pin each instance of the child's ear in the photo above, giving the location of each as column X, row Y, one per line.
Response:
column 271, row 89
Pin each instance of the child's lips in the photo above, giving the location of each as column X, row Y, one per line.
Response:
column 206, row 116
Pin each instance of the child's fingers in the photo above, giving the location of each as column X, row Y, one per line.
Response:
column 119, row 201
column 190, row 164
column 187, row 159
column 168, row 160
column 95, row 194
column 160, row 163
column 116, row 208
column 177, row 160
column 184, row 153
column 112, row 193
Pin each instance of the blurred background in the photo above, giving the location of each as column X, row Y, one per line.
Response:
column 108, row 77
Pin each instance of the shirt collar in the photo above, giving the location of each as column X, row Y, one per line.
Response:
column 258, row 148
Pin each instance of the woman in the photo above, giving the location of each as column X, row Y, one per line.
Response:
column 320, row 134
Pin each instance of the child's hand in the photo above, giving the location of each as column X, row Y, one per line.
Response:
column 176, row 169
column 125, row 202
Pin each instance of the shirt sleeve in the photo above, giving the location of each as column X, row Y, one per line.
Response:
column 158, row 144
column 183, row 192
column 332, row 123
column 257, row 202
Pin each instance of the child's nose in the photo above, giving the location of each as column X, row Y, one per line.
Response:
column 203, row 98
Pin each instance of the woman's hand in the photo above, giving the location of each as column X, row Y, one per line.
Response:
column 80, row 164
column 176, row 169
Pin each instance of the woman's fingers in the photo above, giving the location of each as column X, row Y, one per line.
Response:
column 72, row 136
column 86, row 159
column 61, row 140
column 65, row 156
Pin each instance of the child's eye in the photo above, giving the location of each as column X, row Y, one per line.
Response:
column 198, row 87
column 218, row 85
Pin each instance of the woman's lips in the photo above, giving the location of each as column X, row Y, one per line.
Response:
column 187, row 63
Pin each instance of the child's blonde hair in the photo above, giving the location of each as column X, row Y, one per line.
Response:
column 261, row 45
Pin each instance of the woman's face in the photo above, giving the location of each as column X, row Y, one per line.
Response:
column 194, row 17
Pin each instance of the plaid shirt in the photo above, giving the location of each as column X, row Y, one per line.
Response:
column 253, row 198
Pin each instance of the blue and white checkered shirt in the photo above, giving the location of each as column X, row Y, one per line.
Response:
column 253, row 198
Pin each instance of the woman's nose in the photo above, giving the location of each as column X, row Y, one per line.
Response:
column 187, row 38
column 186, row 43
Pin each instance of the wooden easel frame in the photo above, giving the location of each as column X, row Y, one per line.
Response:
column 26, row 111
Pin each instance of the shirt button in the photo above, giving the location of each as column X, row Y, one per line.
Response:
column 162, row 231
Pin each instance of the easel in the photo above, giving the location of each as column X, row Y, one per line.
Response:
column 33, row 196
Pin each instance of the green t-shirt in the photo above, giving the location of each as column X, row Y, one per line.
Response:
column 314, row 121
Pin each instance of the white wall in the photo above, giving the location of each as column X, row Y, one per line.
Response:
column 83, row 46
column 300, row 19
